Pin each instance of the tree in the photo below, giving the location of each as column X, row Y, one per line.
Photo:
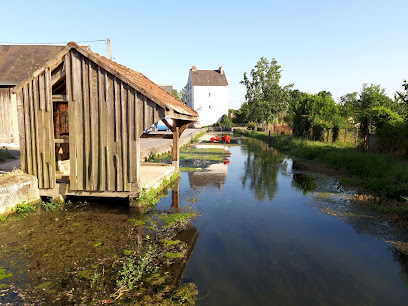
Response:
column 175, row 94
column 347, row 104
column 265, row 98
column 312, row 112
column 371, row 97
column 183, row 94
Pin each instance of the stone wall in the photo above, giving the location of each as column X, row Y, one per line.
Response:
column 17, row 188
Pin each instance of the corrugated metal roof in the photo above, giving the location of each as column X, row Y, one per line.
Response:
column 208, row 78
column 18, row 62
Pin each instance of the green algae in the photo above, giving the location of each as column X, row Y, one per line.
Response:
column 44, row 285
column 173, row 255
column 97, row 244
column 171, row 219
column 85, row 274
column 2, row 286
column 4, row 275
column 137, row 222
column 171, row 242
column 127, row 252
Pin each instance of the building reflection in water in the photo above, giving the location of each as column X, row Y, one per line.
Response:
column 214, row 176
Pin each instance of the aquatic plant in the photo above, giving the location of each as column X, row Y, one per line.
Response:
column 51, row 205
column 133, row 269
column 174, row 219
column 173, row 255
column 151, row 197
column 24, row 209
column 4, row 275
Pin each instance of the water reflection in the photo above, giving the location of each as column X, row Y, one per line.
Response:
column 289, row 252
column 214, row 176
column 261, row 169
column 304, row 183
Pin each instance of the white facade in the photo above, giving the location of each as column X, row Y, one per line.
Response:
column 210, row 102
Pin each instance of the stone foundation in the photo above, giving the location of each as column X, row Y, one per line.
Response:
column 17, row 188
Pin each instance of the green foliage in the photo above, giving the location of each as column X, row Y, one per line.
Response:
column 5, row 154
column 314, row 113
column 133, row 269
column 251, row 125
column 391, row 130
column 150, row 197
column 226, row 121
column 198, row 136
column 318, row 129
column 175, row 94
column 335, row 133
column 51, row 205
column 3, row 218
column 24, row 209
column 183, row 95
column 266, row 99
column 385, row 175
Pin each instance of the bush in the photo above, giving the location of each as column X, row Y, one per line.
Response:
column 335, row 133
column 226, row 121
column 318, row 129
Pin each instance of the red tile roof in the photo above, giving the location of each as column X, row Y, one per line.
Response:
column 141, row 81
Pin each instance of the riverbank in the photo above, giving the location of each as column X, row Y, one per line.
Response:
column 383, row 177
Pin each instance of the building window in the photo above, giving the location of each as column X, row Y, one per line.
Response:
column 209, row 94
column 209, row 106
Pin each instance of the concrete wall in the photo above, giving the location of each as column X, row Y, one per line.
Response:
column 15, row 189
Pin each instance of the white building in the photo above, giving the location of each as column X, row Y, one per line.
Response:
column 207, row 94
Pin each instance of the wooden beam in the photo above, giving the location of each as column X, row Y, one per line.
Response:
column 59, row 75
column 160, row 136
column 66, row 140
column 183, row 128
column 59, row 98
column 171, row 128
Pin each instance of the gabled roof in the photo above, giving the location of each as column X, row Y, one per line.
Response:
column 18, row 62
column 208, row 78
column 133, row 78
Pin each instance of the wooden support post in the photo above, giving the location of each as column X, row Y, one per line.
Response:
column 175, row 151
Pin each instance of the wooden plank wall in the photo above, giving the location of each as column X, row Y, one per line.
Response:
column 106, row 119
column 6, row 123
column 36, row 130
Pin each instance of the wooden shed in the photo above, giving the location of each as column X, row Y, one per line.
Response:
column 18, row 62
column 84, row 115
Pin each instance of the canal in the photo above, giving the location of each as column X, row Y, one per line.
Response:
column 266, row 232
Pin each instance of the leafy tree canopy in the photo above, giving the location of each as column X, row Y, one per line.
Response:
column 265, row 98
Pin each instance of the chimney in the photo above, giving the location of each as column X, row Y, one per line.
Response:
column 221, row 70
column 194, row 68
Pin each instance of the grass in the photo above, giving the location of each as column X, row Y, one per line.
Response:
column 213, row 154
column 385, row 175
column 5, row 154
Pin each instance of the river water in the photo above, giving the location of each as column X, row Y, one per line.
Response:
column 267, row 234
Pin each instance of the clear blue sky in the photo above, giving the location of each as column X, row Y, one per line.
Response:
column 321, row 45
